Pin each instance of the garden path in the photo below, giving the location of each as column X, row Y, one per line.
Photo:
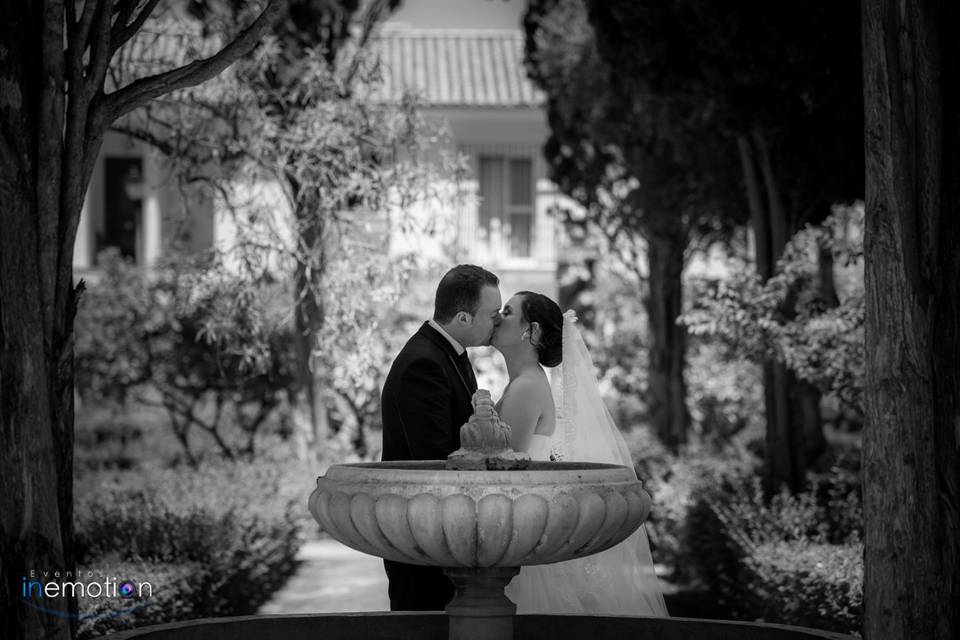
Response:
column 331, row 578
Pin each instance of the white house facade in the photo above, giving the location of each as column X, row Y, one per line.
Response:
column 464, row 58
column 474, row 80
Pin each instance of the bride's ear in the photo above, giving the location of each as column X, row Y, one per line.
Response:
column 535, row 333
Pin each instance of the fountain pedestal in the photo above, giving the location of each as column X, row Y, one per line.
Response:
column 480, row 610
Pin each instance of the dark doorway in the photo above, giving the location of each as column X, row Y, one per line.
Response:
column 123, row 205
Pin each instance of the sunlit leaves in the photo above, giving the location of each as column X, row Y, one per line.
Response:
column 820, row 342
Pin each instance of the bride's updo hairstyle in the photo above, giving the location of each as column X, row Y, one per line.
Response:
column 539, row 308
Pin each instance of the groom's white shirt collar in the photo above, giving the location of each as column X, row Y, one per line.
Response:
column 456, row 345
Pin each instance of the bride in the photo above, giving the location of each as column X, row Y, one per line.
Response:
column 570, row 422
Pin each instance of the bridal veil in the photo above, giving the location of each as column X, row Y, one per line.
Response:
column 617, row 581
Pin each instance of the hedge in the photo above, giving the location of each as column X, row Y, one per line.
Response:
column 218, row 541
column 792, row 559
column 810, row 585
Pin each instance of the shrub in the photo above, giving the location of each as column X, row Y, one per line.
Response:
column 792, row 559
column 708, row 554
column 191, row 338
column 174, row 594
column 724, row 393
column 235, row 526
column 671, row 481
column 810, row 585
column 840, row 496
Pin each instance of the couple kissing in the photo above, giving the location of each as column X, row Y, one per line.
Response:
column 426, row 399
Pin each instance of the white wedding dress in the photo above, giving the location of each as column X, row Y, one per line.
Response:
column 619, row 581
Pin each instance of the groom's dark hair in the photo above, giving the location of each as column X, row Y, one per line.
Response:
column 459, row 290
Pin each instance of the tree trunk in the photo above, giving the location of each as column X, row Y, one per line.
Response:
column 309, row 321
column 784, row 441
column 666, row 387
column 912, row 248
column 36, row 418
column 53, row 115
column 794, row 434
column 758, row 214
column 827, row 282
column 803, row 431
column 815, row 441
column 38, row 189
column 312, row 399
column 779, row 224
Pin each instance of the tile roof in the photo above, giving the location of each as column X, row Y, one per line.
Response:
column 471, row 68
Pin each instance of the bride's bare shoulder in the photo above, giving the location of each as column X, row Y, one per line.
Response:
column 528, row 389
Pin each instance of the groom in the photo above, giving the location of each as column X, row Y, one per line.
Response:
column 426, row 399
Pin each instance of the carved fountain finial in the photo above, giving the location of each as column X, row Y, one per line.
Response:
column 485, row 440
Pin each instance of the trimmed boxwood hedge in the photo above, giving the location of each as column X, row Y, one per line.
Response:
column 174, row 591
column 792, row 559
column 214, row 542
column 809, row 585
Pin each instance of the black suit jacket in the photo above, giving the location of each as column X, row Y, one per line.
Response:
column 425, row 399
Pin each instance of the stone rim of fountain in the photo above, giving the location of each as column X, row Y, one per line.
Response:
column 480, row 515
column 478, row 519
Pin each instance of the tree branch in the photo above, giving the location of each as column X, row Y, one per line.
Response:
column 99, row 49
column 370, row 19
column 80, row 31
column 70, row 9
column 123, row 9
column 142, row 135
column 122, row 32
column 141, row 91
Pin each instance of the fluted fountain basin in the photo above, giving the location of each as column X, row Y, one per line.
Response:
column 422, row 513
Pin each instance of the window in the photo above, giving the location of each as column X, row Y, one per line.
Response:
column 123, row 205
column 506, row 203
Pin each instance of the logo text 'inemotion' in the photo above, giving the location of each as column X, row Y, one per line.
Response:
column 40, row 587
column 110, row 587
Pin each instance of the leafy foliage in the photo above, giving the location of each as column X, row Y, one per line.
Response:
column 673, row 481
column 788, row 77
column 821, row 343
column 638, row 164
column 724, row 392
column 362, row 335
column 650, row 179
column 315, row 168
column 192, row 335
column 806, row 584
column 176, row 592
column 796, row 559
column 213, row 542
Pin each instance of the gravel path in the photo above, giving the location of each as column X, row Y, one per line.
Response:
column 332, row 578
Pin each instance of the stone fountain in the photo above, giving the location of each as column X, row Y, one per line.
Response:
column 481, row 515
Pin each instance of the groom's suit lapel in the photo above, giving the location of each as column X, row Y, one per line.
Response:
column 465, row 370
column 461, row 364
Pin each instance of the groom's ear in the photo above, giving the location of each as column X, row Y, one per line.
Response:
column 463, row 317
